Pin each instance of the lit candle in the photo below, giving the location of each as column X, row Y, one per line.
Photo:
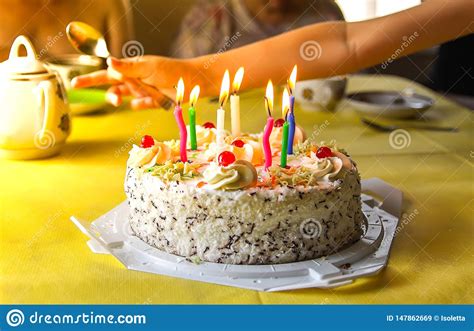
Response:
column 291, row 113
column 285, row 106
column 178, row 115
column 221, row 112
column 269, row 127
column 235, row 102
column 192, row 116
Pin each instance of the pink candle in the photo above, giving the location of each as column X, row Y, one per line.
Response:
column 183, row 133
column 267, row 151
column 266, row 142
column 178, row 115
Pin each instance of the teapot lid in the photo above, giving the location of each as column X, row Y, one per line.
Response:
column 22, row 65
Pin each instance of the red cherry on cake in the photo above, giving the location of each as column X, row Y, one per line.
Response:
column 238, row 143
column 279, row 123
column 209, row 125
column 323, row 152
column 225, row 158
column 147, row 141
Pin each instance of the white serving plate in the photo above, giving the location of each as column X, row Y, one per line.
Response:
column 111, row 234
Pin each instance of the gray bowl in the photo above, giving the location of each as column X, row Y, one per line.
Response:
column 390, row 104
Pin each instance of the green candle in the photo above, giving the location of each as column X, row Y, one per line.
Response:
column 192, row 116
column 192, row 127
column 285, row 106
column 284, row 145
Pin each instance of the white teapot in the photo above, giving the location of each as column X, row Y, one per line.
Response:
column 34, row 112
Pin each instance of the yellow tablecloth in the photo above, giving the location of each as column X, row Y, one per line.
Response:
column 44, row 258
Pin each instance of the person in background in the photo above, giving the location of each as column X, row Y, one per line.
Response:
column 454, row 67
column 45, row 21
column 218, row 25
column 320, row 50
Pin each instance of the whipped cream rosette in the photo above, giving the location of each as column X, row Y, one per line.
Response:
column 204, row 136
column 239, row 175
column 148, row 157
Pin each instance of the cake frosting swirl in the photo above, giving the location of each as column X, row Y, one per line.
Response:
column 204, row 136
column 159, row 153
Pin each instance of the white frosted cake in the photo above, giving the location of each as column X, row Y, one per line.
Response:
column 223, row 206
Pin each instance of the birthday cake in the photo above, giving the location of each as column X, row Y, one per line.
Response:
column 223, row 205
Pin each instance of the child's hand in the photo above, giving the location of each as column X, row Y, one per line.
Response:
column 131, row 76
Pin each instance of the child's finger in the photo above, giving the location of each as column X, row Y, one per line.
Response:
column 93, row 79
column 114, row 96
column 124, row 89
column 144, row 103
column 138, row 67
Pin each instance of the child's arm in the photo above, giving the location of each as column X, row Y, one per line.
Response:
column 336, row 48
column 319, row 50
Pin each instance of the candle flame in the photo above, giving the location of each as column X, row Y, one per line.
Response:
column 239, row 75
column 224, row 89
column 194, row 95
column 180, row 91
column 292, row 79
column 269, row 98
column 285, row 103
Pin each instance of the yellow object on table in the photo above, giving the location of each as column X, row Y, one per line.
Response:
column 44, row 257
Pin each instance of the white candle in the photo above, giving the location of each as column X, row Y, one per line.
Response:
column 235, row 114
column 221, row 112
column 220, row 126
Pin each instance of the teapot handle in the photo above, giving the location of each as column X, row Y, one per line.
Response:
column 45, row 90
column 23, row 41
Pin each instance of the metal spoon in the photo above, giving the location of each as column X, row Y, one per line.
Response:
column 389, row 128
column 86, row 39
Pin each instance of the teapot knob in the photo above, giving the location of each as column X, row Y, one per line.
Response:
column 23, row 41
